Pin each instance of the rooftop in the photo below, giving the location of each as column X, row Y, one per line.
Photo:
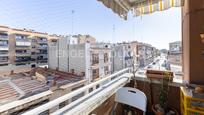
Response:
column 22, row 85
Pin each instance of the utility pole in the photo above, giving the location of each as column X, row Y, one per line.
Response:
column 72, row 14
column 113, row 33
column 72, row 21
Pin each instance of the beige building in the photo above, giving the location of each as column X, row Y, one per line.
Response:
column 89, row 59
column 21, row 49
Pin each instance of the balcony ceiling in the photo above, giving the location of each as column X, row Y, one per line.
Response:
column 140, row 7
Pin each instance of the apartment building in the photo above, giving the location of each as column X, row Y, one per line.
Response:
column 89, row 59
column 146, row 53
column 122, row 56
column 132, row 53
column 4, row 48
column 175, row 53
column 22, row 49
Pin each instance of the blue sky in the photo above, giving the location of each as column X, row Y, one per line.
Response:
column 91, row 17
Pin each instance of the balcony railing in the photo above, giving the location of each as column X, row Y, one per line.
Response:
column 44, row 41
column 3, row 37
column 23, row 42
column 23, row 54
column 3, row 60
column 42, row 47
column 4, row 47
column 107, row 87
column 4, row 63
column 3, row 54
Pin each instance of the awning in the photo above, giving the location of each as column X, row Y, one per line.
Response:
column 140, row 7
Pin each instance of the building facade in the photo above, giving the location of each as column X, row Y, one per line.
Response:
column 122, row 56
column 175, row 53
column 146, row 53
column 22, row 49
column 89, row 59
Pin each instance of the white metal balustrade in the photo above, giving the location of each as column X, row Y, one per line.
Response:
column 91, row 100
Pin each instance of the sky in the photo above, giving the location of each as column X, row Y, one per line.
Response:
column 91, row 17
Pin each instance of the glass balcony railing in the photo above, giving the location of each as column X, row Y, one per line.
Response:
column 42, row 41
column 23, row 54
column 23, row 43
column 42, row 47
column 4, row 47
column 3, row 37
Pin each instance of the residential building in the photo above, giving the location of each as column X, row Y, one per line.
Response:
column 175, row 53
column 122, row 55
column 4, row 49
column 132, row 53
column 89, row 59
column 21, row 49
column 175, row 47
column 146, row 53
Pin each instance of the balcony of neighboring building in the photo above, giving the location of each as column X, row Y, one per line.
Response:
column 42, row 59
column 41, row 52
column 4, row 37
column 4, row 60
column 41, row 40
column 4, row 53
column 23, row 47
column 4, row 45
column 42, row 47
column 22, row 41
column 23, row 60
column 23, row 53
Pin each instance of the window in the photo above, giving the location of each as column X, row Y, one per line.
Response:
column 95, row 59
column 105, row 57
column 95, row 73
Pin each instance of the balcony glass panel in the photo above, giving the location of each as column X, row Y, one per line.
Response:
column 3, row 36
column 4, row 59
column 42, row 40
column 4, row 45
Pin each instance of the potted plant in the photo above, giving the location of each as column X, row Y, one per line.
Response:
column 162, row 108
column 159, row 75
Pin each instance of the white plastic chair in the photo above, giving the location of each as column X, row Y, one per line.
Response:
column 132, row 97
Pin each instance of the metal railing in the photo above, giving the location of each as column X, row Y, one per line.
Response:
column 102, row 83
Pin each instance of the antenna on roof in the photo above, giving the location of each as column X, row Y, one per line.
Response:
column 72, row 21
column 113, row 33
